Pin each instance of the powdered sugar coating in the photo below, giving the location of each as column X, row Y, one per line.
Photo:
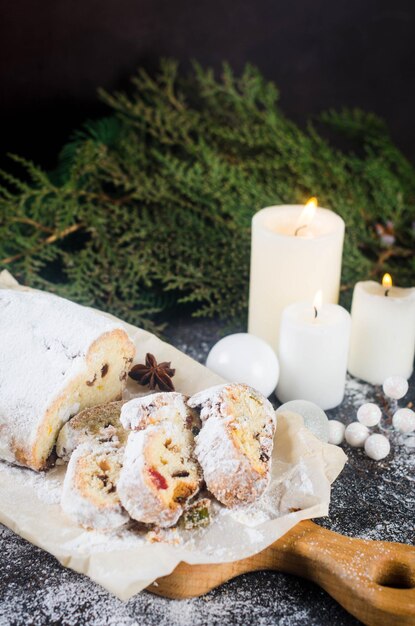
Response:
column 137, row 496
column 155, row 420
column 44, row 346
column 231, row 475
column 225, row 468
column 156, row 407
column 75, row 500
column 205, row 399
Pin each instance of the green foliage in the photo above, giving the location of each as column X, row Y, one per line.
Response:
column 150, row 207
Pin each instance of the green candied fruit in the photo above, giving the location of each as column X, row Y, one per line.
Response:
column 196, row 516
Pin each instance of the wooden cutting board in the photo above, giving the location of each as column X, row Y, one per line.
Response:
column 372, row 580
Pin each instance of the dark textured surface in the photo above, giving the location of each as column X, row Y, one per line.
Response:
column 371, row 500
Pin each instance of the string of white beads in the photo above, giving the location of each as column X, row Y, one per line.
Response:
column 395, row 387
column 336, row 432
column 369, row 414
column 356, row 434
column 377, row 447
column 404, row 420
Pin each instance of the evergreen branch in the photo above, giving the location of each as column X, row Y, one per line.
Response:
column 28, row 220
column 158, row 196
column 49, row 240
column 388, row 254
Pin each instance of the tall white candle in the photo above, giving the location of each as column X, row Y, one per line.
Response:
column 293, row 255
column 314, row 344
column 383, row 331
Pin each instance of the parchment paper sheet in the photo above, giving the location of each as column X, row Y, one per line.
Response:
column 126, row 562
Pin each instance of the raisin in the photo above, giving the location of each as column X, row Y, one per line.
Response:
column 180, row 474
column 103, row 478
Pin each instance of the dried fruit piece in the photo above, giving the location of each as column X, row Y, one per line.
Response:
column 157, row 478
column 197, row 515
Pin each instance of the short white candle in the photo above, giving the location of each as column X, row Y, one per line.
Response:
column 313, row 348
column 383, row 331
column 294, row 253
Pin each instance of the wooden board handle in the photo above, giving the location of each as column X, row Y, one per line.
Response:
column 372, row 580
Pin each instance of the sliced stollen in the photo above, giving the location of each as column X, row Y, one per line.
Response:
column 235, row 443
column 89, row 494
column 56, row 358
column 99, row 423
column 160, row 473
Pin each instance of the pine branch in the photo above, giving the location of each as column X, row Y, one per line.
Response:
column 150, row 207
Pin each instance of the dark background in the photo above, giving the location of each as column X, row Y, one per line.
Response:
column 321, row 53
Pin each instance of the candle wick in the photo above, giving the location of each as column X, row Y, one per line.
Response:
column 387, row 293
column 299, row 228
column 315, row 312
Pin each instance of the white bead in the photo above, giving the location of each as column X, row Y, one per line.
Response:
column 369, row 414
column 244, row 358
column 314, row 417
column 377, row 447
column 356, row 434
column 404, row 420
column 336, row 432
column 395, row 387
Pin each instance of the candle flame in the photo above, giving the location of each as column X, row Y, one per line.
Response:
column 317, row 302
column 311, row 202
column 387, row 281
column 306, row 215
column 309, row 211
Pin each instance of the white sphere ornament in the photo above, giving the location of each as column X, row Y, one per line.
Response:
column 245, row 358
column 314, row 417
column 404, row 420
column 395, row 387
column 356, row 434
column 369, row 414
column 336, row 432
column 377, row 447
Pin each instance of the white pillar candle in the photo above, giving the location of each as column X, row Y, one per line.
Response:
column 294, row 253
column 313, row 349
column 383, row 331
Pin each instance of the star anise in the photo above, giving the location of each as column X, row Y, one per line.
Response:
column 153, row 374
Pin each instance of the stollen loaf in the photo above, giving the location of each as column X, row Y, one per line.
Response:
column 56, row 359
